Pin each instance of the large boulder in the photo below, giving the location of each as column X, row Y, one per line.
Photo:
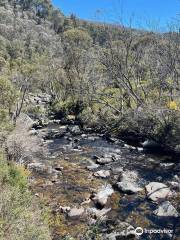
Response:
column 166, row 210
column 128, row 183
column 157, row 190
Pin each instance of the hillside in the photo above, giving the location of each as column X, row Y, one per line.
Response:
column 97, row 80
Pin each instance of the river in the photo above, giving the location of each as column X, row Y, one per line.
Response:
column 68, row 180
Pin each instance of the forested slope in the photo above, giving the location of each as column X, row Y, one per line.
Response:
column 116, row 80
column 120, row 76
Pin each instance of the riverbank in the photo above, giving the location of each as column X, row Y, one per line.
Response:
column 97, row 186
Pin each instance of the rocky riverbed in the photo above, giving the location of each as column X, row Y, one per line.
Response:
column 104, row 189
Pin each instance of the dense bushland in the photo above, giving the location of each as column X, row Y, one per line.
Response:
column 115, row 79
column 119, row 76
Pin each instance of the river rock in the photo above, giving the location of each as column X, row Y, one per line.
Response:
column 124, row 231
column 93, row 138
column 75, row 129
column 175, row 185
column 128, row 187
column 39, row 167
column 157, row 190
column 96, row 213
column 76, row 212
column 151, row 145
column 84, row 135
column 102, row 196
column 128, row 183
column 64, row 209
column 102, row 173
column 117, row 170
column 166, row 210
column 129, row 147
column 92, row 167
column 105, row 159
column 33, row 132
column 63, row 128
column 167, row 165
column 57, row 121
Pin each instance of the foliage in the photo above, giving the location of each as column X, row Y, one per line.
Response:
column 172, row 105
column 99, row 72
column 7, row 93
column 20, row 217
column 64, row 108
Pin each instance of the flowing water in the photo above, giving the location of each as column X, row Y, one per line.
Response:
column 72, row 183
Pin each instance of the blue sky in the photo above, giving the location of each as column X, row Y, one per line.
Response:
column 149, row 14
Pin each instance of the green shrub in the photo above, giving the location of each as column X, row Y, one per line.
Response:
column 36, row 111
column 20, row 214
column 69, row 106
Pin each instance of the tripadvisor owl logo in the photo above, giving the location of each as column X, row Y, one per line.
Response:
column 139, row 231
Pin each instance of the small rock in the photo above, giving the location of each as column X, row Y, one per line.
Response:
column 88, row 129
column 166, row 210
column 47, row 183
column 75, row 129
column 92, row 138
column 176, row 178
column 124, row 231
column 33, row 132
column 71, row 117
column 167, row 165
column 104, row 160
column 96, row 213
column 64, row 209
column 93, row 166
column 159, row 178
column 129, row 147
column 157, row 190
column 151, row 160
column 102, row 196
column 91, row 221
column 102, row 173
column 84, row 135
column 63, row 127
column 150, row 144
column 140, row 149
column 117, row 170
column 39, row 167
column 87, row 201
column 76, row 212
column 57, row 121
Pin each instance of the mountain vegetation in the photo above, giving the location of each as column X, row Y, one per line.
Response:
column 114, row 79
